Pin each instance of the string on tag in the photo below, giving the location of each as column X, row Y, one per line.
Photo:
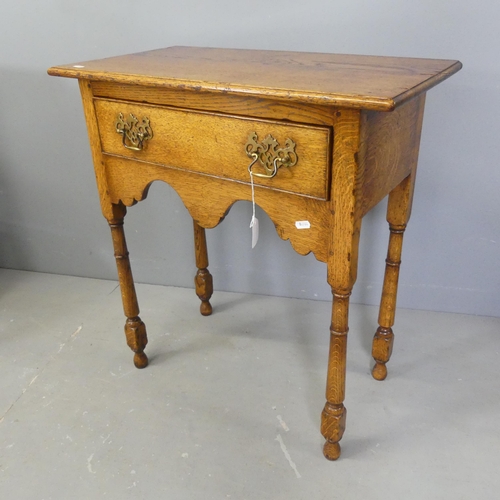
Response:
column 254, row 222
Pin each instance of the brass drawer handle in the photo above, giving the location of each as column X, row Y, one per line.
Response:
column 133, row 132
column 255, row 157
column 270, row 155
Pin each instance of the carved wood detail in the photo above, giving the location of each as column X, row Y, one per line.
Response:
column 210, row 201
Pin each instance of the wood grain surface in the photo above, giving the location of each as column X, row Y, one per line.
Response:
column 389, row 149
column 214, row 144
column 368, row 82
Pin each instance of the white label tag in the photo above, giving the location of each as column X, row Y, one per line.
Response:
column 302, row 224
column 254, row 225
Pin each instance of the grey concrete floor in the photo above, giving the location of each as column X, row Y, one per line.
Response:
column 229, row 406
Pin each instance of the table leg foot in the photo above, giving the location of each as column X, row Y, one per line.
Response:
column 379, row 371
column 332, row 428
column 204, row 288
column 135, row 331
column 331, row 450
column 140, row 360
column 381, row 351
column 205, row 308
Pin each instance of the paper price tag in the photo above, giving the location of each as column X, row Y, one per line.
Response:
column 254, row 226
column 302, row 224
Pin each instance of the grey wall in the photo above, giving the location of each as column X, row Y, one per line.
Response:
column 49, row 212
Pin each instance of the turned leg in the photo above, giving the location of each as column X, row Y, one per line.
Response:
column 342, row 264
column 384, row 337
column 334, row 413
column 398, row 214
column 135, row 330
column 203, row 279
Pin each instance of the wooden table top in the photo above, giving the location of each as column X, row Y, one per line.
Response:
column 368, row 82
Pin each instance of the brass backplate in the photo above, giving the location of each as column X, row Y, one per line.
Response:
column 133, row 131
column 270, row 154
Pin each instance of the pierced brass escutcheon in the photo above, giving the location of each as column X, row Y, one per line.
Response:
column 270, row 155
column 133, row 131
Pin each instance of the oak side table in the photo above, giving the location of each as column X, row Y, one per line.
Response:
column 325, row 137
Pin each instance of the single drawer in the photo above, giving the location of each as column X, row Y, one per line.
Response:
column 217, row 145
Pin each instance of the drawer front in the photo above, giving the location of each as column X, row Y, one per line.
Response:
column 216, row 144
